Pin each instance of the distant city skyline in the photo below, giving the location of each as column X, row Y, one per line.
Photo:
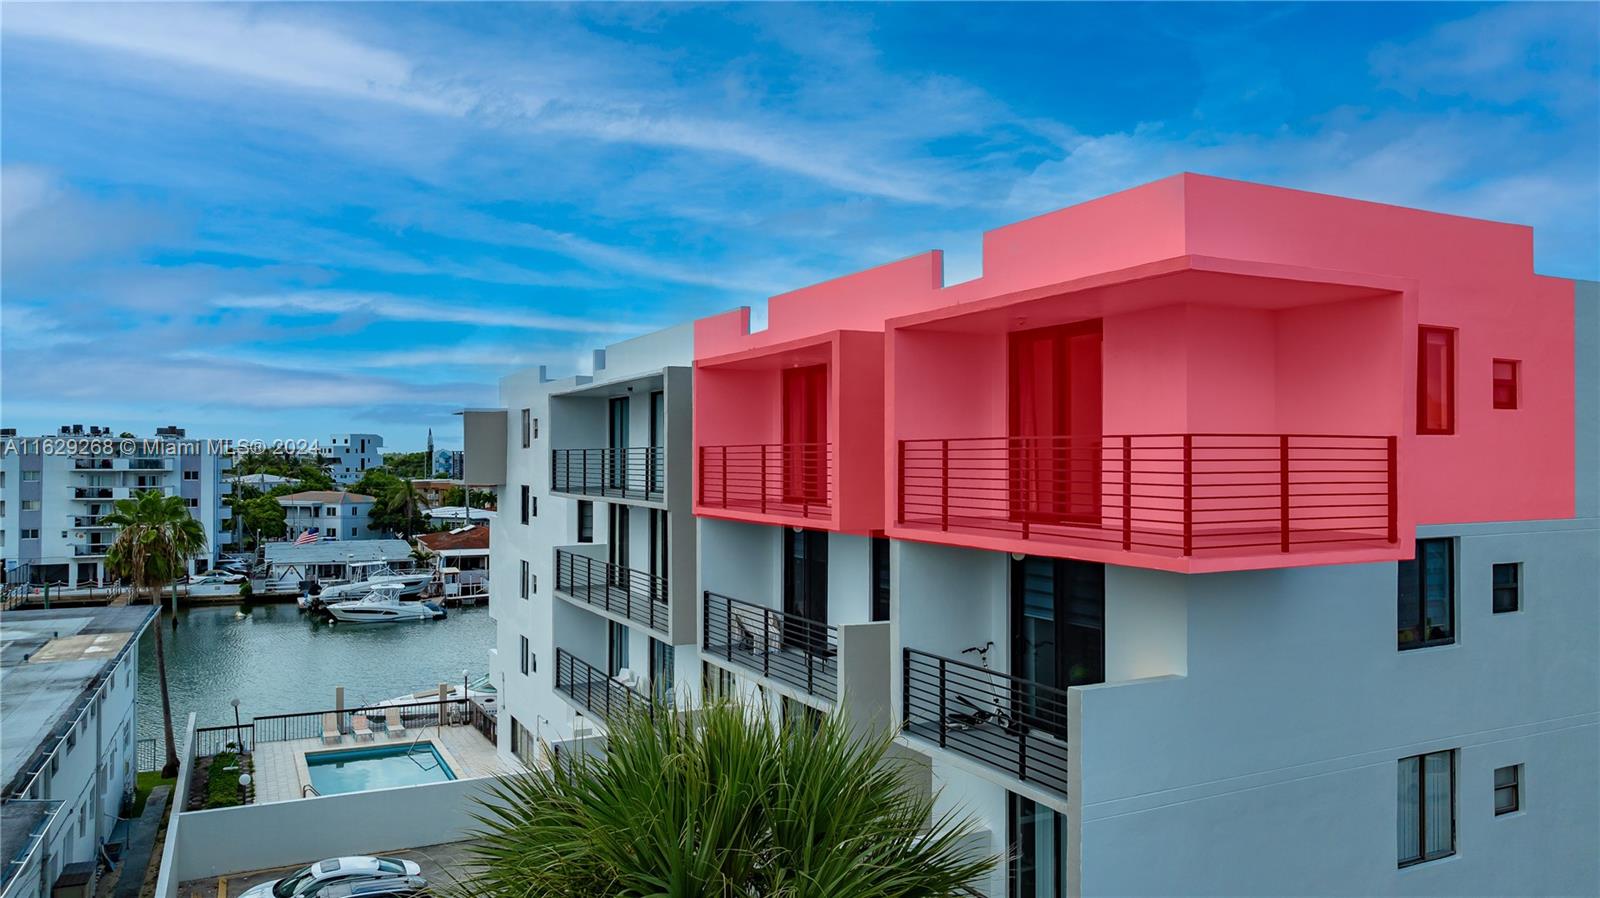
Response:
column 293, row 220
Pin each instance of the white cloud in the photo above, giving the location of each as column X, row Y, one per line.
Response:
column 399, row 308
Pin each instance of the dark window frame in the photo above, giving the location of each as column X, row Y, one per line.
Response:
column 1514, row 787
column 881, row 585
column 527, row 655
column 527, row 575
column 527, row 496
column 1449, row 381
column 527, row 428
column 1514, row 588
column 1422, row 856
column 585, row 521
column 1415, row 567
column 1512, row 388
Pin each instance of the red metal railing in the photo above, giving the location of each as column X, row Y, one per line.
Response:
column 1170, row 494
column 791, row 479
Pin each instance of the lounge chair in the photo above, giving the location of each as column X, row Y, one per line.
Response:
column 392, row 724
column 330, row 729
column 360, row 727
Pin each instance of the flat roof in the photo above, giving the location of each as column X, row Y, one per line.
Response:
column 50, row 663
column 21, row 824
column 338, row 551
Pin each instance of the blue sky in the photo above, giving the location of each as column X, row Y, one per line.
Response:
column 289, row 220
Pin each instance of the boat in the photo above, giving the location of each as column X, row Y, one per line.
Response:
column 382, row 604
column 375, row 573
column 481, row 691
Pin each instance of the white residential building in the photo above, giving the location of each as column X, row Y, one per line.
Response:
column 334, row 514
column 69, row 681
column 55, row 489
column 351, row 455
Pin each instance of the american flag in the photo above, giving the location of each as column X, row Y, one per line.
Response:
column 310, row 536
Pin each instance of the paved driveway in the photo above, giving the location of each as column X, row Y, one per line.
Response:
column 440, row 864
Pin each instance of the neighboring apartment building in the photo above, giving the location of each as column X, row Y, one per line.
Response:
column 1219, row 539
column 69, row 680
column 447, row 463
column 351, row 455
column 334, row 514
column 55, row 490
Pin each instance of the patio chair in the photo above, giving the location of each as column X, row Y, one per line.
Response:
column 392, row 723
column 330, row 729
column 747, row 632
column 359, row 725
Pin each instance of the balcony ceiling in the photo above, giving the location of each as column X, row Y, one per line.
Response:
column 813, row 350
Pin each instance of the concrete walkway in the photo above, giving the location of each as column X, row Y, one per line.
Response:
column 141, row 844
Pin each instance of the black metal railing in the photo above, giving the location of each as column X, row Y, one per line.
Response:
column 594, row 691
column 91, row 492
column 619, row 590
column 790, row 649
column 148, row 755
column 1006, row 722
column 637, row 472
column 412, row 716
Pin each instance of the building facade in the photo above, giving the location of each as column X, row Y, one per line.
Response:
column 350, row 455
column 1218, row 539
column 332, row 513
column 55, row 490
column 69, row 681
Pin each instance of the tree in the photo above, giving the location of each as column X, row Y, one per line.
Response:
column 395, row 508
column 408, row 464
column 720, row 802
column 451, row 498
column 259, row 514
column 156, row 536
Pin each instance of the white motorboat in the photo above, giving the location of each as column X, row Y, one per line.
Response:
column 377, row 573
column 480, row 690
column 382, row 604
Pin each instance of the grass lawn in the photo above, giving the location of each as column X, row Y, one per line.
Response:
column 141, row 790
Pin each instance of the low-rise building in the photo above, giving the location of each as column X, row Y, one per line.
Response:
column 351, row 455
column 461, row 557
column 334, row 514
column 69, row 681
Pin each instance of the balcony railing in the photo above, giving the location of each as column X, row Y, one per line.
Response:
column 86, row 521
column 595, row 692
column 786, row 648
column 792, row 479
column 638, row 472
column 622, row 591
column 1008, row 723
column 91, row 464
column 91, row 492
column 90, row 550
column 1168, row 494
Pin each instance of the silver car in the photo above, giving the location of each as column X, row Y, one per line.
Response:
column 307, row 880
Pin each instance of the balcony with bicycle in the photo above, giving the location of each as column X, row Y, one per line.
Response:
column 1006, row 723
column 1191, row 415
column 595, row 694
column 620, row 593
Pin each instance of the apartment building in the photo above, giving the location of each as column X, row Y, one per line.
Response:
column 350, row 455
column 1218, row 539
column 56, row 489
column 334, row 514
column 69, row 682
column 593, row 547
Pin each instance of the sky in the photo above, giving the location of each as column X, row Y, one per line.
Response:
column 285, row 221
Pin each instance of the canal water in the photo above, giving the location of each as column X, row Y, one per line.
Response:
column 277, row 660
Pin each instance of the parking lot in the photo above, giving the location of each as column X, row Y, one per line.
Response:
column 440, row 864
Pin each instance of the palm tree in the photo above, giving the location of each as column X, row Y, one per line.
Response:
column 720, row 802
column 402, row 500
column 156, row 538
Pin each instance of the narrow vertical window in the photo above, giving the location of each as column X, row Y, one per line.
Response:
column 585, row 522
column 527, row 428
column 526, row 575
column 525, row 503
column 1426, row 595
column 1508, row 789
column 1507, row 389
column 880, row 578
column 1436, row 381
column 1426, row 825
column 525, row 653
column 1507, row 587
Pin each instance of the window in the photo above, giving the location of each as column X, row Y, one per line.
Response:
column 585, row 522
column 352, row 533
column 30, row 533
column 1427, row 595
column 1506, row 383
column 28, row 476
column 1507, row 587
column 333, row 511
column 527, row 427
column 30, row 504
column 662, row 664
column 1038, row 836
column 1507, row 789
column 191, row 475
column 1427, row 819
column 522, row 743
column 1436, row 381
column 192, row 503
column 880, row 578
column 525, row 655
column 616, row 648
column 526, row 495
column 715, row 682
column 526, row 576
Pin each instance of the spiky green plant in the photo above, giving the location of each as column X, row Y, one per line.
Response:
column 721, row 802
column 156, row 536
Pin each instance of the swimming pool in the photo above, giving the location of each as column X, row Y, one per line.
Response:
column 381, row 767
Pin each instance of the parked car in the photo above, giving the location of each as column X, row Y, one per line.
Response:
column 226, row 575
column 387, row 887
column 305, row 882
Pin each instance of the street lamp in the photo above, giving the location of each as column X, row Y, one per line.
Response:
column 238, row 729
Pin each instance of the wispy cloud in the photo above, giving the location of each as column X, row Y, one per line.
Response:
column 398, row 308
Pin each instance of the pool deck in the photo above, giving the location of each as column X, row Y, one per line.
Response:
column 441, row 864
column 281, row 773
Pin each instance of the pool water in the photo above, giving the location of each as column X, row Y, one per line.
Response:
column 361, row 769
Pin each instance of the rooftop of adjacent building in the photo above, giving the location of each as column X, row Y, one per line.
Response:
column 475, row 536
column 50, row 663
column 325, row 497
column 338, row 551
column 21, row 822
